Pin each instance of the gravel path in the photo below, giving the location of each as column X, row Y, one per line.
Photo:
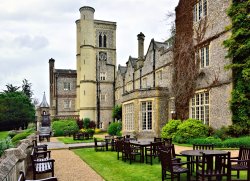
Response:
column 69, row 167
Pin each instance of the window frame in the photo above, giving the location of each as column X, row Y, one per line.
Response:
column 67, row 86
column 200, row 10
column 129, row 116
column 67, row 104
column 199, row 106
column 204, row 54
column 146, row 115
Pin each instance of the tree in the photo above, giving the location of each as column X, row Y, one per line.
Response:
column 11, row 88
column 16, row 110
column 239, row 50
column 117, row 112
column 26, row 88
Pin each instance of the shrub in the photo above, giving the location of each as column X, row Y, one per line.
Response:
column 237, row 142
column 237, row 130
column 209, row 140
column 5, row 144
column 80, row 123
column 12, row 133
column 189, row 129
column 64, row 127
column 97, row 130
column 92, row 125
column 90, row 131
column 115, row 128
column 86, row 123
column 221, row 133
column 20, row 136
column 170, row 129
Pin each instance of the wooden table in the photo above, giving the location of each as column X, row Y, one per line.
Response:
column 142, row 145
column 198, row 153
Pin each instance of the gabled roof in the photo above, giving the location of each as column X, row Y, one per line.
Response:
column 122, row 69
column 44, row 101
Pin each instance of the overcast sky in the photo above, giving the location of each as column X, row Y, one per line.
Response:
column 33, row 31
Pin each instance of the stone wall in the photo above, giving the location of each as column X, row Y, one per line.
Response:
column 15, row 159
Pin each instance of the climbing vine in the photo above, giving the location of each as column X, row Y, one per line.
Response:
column 239, row 51
column 186, row 57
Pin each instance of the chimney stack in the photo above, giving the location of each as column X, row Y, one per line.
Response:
column 140, row 38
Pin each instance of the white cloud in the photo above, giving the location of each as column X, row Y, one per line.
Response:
column 33, row 31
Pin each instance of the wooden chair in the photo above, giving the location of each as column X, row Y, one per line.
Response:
column 173, row 154
column 200, row 147
column 22, row 178
column 110, row 142
column 171, row 168
column 99, row 145
column 242, row 162
column 214, row 167
column 119, row 146
column 157, row 139
column 167, row 141
column 130, row 152
column 153, row 151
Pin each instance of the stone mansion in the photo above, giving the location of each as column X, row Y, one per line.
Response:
column 146, row 86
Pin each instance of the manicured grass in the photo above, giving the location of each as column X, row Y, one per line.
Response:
column 106, row 164
column 69, row 140
column 3, row 134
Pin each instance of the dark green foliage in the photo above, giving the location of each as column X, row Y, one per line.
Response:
column 115, row 128
column 16, row 110
column 64, row 127
column 5, row 144
column 169, row 130
column 86, row 122
column 11, row 88
column 236, row 142
column 26, row 88
column 209, row 140
column 12, row 133
column 237, row 130
column 189, row 129
column 90, row 131
column 239, row 51
column 221, row 133
column 218, row 143
column 117, row 112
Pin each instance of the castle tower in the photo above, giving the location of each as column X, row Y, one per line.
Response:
column 96, row 60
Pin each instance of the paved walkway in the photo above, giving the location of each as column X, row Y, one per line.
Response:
column 69, row 166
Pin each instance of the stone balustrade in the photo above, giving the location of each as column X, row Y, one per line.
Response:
column 15, row 159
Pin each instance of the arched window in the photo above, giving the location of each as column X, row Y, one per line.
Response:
column 100, row 40
column 104, row 41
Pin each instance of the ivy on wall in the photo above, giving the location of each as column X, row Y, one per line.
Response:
column 239, row 51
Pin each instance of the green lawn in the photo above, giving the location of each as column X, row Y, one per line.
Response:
column 111, row 169
column 106, row 164
column 3, row 134
column 69, row 140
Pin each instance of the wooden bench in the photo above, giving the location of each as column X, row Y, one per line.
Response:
column 22, row 178
column 44, row 132
column 82, row 136
column 42, row 163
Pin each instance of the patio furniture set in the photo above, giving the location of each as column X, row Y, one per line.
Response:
column 203, row 162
